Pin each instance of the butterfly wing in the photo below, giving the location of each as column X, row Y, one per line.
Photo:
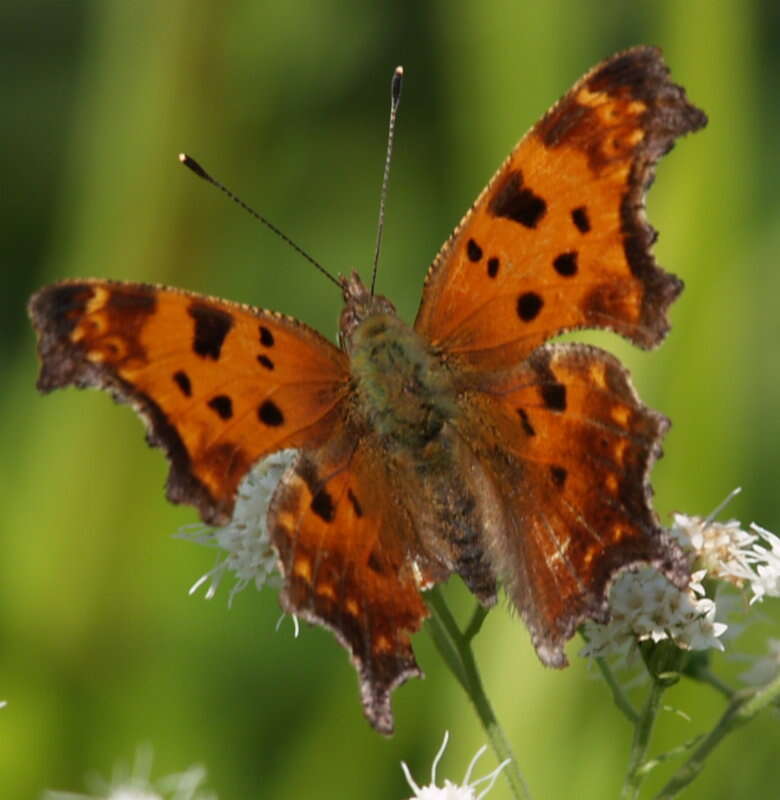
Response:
column 558, row 239
column 572, row 445
column 346, row 544
column 219, row 385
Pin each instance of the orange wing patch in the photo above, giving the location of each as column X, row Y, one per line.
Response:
column 346, row 550
column 558, row 240
column 218, row 384
column 581, row 444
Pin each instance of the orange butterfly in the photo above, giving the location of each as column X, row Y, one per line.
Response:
column 463, row 444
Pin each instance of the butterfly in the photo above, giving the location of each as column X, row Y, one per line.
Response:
column 464, row 444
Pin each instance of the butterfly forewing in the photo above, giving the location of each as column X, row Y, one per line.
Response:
column 219, row 384
column 558, row 239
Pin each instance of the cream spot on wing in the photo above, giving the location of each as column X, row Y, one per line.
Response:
column 326, row 590
column 596, row 373
column 635, row 137
column 636, row 107
column 302, row 568
column 382, row 644
column 618, row 533
column 351, row 607
column 98, row 300
column 620, row 414
column 96, row 356
column 593, row 99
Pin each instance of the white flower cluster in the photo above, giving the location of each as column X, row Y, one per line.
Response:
column 250, row 556
column 136, row 784
column 731, row 554
column 450, row 790
column 645, row 606
column 766, row 560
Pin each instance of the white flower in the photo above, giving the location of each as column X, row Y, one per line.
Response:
column 731, row 554
column 644, row 605
column 764, row 669
column 721, row 548
column 766, row 560
column 136, row 785
column 453, row 791
column 250, row 555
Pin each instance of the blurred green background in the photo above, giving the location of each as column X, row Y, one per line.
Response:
column 101, row 648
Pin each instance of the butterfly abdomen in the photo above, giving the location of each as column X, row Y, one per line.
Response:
column 404, row 391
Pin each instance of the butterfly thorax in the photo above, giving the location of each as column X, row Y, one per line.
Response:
column 403, row 390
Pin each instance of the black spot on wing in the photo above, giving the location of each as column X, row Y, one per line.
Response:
column 322, row 505
column 553, row 396
column 525, row 422
column 566, row 264
column 375, row 564
column 579, row 216
column 211, row 327
column 356, row 507
column 265, row 361
column 266, row 337
column 492, row 267
column 529, row 304
column 558, row 475
column 514, row 201
column 222, row 405
column 473, row 250
column 270, row 414
column 182, row 380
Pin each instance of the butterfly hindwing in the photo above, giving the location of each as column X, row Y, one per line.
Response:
column 558, row 239
column 218, row 384
column 346, row 546
column 569, row 431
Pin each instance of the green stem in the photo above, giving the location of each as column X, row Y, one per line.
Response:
column 619, row 697
column 743, row 707
column 475, row 625
column 455, row 649
column 642, row 733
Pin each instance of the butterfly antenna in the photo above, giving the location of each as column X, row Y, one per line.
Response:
column 193, row 165
column 395, row 99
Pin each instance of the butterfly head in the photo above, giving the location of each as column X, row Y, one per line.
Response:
column 359, row 305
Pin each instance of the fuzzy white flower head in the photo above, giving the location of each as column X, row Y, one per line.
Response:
column 766, row 561
column 644, row 605
column 721, row 548
column 453, row 791
column 137, row 785
column 250, row 555
column 728, row 553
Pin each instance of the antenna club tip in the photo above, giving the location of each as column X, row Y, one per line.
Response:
column 395, row 85
column 193, row 165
